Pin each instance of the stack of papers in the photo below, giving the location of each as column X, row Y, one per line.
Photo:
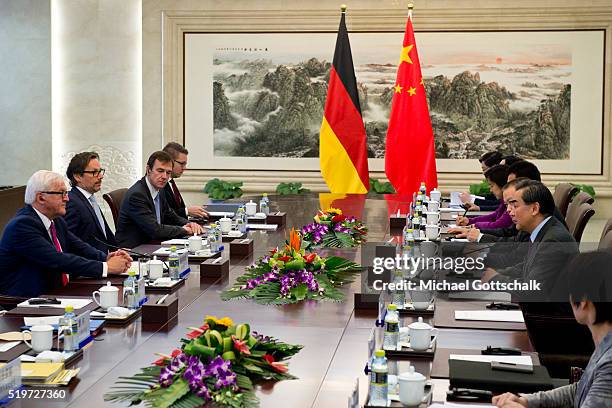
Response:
column 511, row 316
column 526, row 360
column 39, row 372
column 265, row 227
column 176, row 241
column 76, row 303
column 166, row 251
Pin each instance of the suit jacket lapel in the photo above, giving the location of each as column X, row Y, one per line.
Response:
column 149, row 198
column 535, row 246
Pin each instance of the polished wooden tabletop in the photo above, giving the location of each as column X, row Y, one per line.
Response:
column 334, row 337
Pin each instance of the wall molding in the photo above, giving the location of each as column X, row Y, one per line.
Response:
column 561, row 15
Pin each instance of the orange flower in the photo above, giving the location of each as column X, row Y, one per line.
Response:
column 294, row 240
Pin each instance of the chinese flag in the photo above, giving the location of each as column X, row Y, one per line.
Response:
column 342, row 145
column 410, row 157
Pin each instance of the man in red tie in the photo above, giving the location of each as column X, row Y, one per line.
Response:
column 173, row 195
column 39, row 253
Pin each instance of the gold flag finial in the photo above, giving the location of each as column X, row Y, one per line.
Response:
column 410, row 6
column 343, row 8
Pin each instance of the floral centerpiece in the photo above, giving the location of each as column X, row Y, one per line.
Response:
column 217, row 363
column 334, row 229
column 291, row 275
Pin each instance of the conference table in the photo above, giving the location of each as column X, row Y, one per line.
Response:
column 333, row 334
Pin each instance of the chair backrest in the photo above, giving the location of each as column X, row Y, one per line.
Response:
column 606, row 242
column 577, row 218
column 606, row 231
column 114, row 199
column 582, row 197
column 563, row 195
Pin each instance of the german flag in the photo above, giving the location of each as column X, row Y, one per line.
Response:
column 342, row 147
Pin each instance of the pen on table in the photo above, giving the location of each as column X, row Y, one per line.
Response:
column 162, row 299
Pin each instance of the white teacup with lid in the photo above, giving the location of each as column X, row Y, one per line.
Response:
column 420, row 335
column 251, row 208
column 435, row 195
column 108, row 296
column 195, row 243
column 156, row 267
column 225, row 224
column 411, row 387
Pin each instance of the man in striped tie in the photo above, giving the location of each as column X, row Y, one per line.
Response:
column 83, row 213
column 38, row 252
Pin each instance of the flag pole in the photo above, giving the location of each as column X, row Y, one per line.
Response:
column 410, row 7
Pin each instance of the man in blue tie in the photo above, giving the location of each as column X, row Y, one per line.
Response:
column 145, row 215
column 83, row 214
column 39, row 253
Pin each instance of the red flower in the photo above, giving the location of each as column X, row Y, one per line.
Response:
column 197, row 332
column 280, row 367
column 284, row 258
column 310, row 257
column 241, row 346
column 162, row 361
column 338, row 218
column 275, row 250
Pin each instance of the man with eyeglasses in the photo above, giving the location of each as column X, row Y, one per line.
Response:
column 549, row 245
column 145, row 215
column 83, row 213
column 38, row 252
column 171, row 191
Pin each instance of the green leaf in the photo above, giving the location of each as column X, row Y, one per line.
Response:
column 587, row 189
column 481, row 189
column 291, row 188
column 165, row 397
column 222, row 190
column 299, row 292
column 381, row 188
column 252, row 367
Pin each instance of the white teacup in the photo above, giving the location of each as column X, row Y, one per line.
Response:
column 432, row 231
column 156, row 267
column 107, row 296
column 42, row 337
column 251, row 208
column 435, row 195
column 433, row 206
column 226, row 224
column 433, row 217
column 411, row 387
column 195, row 243
column 420, row 335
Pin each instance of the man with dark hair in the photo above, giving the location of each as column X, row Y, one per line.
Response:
column 489, row 159
column 171, row 191
column 145, row 215
column 524, row 168
column 531, row 205
column 83, row 214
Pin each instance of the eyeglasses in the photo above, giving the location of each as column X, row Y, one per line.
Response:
column 63, row 193
column 95, row 173
column 182, row 163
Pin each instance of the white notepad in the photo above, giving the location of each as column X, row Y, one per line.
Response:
column 76, row 303
column 487, row 358
column 265, row 227
column 511, row 316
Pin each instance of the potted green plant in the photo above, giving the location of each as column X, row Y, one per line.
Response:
column 220, row 190
column 291, row 188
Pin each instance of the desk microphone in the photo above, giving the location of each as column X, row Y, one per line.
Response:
column 139, row 254
column 122, row 249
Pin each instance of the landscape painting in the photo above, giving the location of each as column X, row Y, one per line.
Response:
column 507, row 91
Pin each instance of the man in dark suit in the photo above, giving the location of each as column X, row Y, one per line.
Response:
column 550, row 245
column 171, row 191
column 145, row 215
column 83, row 214
column 38, row 252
